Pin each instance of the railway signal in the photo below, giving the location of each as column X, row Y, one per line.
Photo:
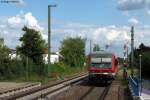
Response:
column 125, row 58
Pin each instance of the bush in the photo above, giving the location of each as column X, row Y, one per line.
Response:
column 146, row 64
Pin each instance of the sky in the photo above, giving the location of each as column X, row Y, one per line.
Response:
column 105, row 22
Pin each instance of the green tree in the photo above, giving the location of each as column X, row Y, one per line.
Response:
column 145, row 64
column 96, row 47
column 4, row 59
column 32, row 49
column 32, row 45
column 145, row 51
column 73, row 51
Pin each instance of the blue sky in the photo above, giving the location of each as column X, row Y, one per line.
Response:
column 102, row 21
column 84, row 11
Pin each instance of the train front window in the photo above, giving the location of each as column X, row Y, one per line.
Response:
column 101, row 65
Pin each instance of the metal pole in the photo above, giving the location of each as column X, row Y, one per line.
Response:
column 90, row 47
column 49, row 35
column 132, row 49
column 140, row 74
column 27, row 68
column 127, row 56
column 49, row 31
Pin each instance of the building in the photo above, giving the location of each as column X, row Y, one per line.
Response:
column 54, row 58
column 13, row 55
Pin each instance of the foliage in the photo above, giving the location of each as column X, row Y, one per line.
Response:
column 29, row 61
column 32, row 45
column 32, row 48
column 60, row 70
column 4, row 59
column 145, row 52
column 96, row 47
column 145, row 64
column 120, row 60
column 29, row 65
column 73, row 51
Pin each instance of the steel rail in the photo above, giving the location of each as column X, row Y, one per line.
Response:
column 38, row 89
column 104, row 93
column 15, row 90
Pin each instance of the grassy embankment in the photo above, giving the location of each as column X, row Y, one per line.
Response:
column 60, row 72
column 56, row 72
column 120, row 75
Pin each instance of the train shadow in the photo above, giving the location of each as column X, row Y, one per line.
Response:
column 99, row 83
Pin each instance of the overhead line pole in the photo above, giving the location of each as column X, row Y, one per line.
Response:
column 140, row 74
column 90, row 47
column 49, row 35
column 132, row 50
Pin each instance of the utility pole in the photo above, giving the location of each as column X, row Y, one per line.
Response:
column 90, row 47
column 140, row 73
column 49, row 35
column 132, row 49
column 127, row 56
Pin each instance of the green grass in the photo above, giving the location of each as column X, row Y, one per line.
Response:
column 135, row 71
column 60, row 70
column 120, row 77
column 57, row 71
column 120, row 74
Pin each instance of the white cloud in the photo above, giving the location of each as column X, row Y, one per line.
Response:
column 129, row 5
column 114, row 35
column 21, row 2
column 110, row 34
column 112, row 26
column 22, row 19
column 10, row 27
column 99, row 34
column 2, row 26
column 126, row 5
column 148, row 12
column 133, row 21
column 15, row 21
column 31, row 21
column 126, row 13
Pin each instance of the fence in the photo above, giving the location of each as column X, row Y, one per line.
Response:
column 134, row 86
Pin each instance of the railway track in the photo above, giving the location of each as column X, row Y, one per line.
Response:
column 83, row 91
column 19, row 89
column 96, row 93
column 104, row 93
column 44, row 91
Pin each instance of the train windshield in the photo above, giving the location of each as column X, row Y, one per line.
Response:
column 101, row 65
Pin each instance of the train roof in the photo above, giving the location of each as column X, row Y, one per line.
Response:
column 101, row 53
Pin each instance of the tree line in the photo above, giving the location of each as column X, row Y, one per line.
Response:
column 145, row 59
column 29, row 55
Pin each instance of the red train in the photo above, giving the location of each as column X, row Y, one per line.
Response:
column 102, row 66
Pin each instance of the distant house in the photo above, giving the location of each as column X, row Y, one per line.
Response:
column 54, row 57
column 13, row 54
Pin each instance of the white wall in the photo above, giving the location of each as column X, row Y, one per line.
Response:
column 54, row 58
column 14, row 56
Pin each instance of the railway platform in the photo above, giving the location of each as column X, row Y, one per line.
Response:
column 139, row 91
column 145, row 94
